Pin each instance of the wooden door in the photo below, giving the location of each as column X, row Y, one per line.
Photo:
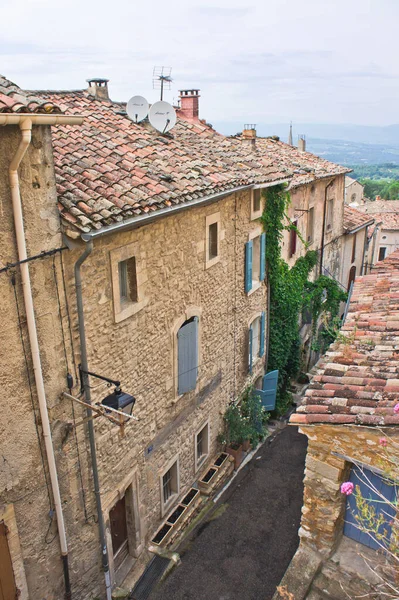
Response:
column 117, row 517
column 8, row 590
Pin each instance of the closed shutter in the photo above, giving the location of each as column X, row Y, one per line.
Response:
column 187, row 356
column 262, row 261
column 262, row 335
column 250, row 339
column 8, row 590
column 268, row 392
column 364, row 478
column 248, row 266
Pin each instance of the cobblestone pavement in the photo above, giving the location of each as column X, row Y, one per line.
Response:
column 242, row 551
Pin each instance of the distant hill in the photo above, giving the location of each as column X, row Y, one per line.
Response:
column 344, row 144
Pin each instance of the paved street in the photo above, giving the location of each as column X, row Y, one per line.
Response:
column 244, row 550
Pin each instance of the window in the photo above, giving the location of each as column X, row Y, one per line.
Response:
column 201, row 445
column 212, row 240
column 381, row 253
column 293, row 236
column 129, row 281
column 310, row 224
column 256, row 204
column 354, row 248
column 256, row 343
column 329, row 216
column 255, row 251
column 352, row 277
column 187, row 356
column 170, row 485
column 353, row 198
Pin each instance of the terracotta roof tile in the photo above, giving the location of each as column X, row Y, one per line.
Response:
column 14, row 100
column 357, row 380
column 354, row 219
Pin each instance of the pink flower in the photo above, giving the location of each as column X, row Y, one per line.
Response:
column 383, row 442
column 396, row 408
column 347, row 488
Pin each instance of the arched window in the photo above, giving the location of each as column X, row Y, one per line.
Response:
column 352, row 275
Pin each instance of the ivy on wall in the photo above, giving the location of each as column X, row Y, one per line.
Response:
column 290, row 291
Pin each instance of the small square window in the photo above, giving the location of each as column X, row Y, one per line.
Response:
column 213, row 241
column 256, row 204
column 202, row 445
column 212, row 249
column 170, row 485
column 128, row 280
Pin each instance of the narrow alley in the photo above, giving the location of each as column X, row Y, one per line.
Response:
column 244, row 548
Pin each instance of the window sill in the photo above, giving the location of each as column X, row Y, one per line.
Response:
column 256, row 215
column 201, row 462
column 212, row 261
column 167, row 505
column 255, row 286
column 130, row 309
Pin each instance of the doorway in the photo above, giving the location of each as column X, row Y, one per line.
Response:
column 8, row 589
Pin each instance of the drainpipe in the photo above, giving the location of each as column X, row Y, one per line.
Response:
column 26, row 129
column 324, row 227
column 86, row 387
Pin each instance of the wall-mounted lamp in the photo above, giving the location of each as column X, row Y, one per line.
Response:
column 118, row 400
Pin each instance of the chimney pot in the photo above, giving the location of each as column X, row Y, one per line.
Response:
column 98, row 88
column 249, row 131
column 189, row 104
column 301, row 143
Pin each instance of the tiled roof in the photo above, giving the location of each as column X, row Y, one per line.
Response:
column 111, row 169
column 305, row 166
column 383, row 211
column 357, row 380
column 14, row 100
column 353, row 219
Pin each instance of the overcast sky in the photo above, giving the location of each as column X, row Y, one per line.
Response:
column 269, row 61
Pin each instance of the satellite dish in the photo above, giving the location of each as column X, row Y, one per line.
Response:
column 137, row 108
column 162, row 116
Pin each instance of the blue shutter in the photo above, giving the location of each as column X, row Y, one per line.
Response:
column 248, row 266
column 250, row 336
column 359, row 478
column 187, row 356
column 262, row 261
column 268, row 392
column 262, row 335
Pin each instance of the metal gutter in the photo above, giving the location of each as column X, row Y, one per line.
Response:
column 352, row 231
column 135, row 222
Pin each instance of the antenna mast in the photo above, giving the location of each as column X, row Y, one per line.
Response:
column 161, row 76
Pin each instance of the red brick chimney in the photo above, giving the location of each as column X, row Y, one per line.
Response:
column 189, row 104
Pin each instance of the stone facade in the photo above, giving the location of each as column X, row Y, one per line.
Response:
column 140, row 350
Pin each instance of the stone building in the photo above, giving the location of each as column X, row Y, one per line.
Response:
column 147, row 268
column 347, row 408
column 354, row 192
column 355, row 244
column 384, row 237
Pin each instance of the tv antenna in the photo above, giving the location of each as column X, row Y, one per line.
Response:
column 137, row 108
column 161, row 79
column 162, row 116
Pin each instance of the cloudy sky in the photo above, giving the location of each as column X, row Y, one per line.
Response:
column 268, row 61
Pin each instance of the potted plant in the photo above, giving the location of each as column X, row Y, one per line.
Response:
column 256, row 417
column 236, row 432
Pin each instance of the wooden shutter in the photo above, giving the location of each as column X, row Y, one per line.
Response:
column 187, row 356
column 262, row 335
column 268, row 392
column 248, row 266
column 359, row 478
column 250, row 338
column 293, row 239
column 8, row 590
column 262, row 261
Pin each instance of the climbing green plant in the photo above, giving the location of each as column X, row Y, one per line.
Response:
column 289, row 292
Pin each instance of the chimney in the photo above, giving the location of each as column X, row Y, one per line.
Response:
column 301, row 143
column 249, row 133
column 290, row 136
column 189, row 104
column 98, row 88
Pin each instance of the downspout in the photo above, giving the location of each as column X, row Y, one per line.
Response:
column 324, row 227
column 85, row 367
column 26, row 129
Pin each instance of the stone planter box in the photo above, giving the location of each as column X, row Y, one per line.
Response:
column 178, row 519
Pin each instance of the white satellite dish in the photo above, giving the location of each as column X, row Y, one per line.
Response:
column 137, row 108
column 162, row 116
